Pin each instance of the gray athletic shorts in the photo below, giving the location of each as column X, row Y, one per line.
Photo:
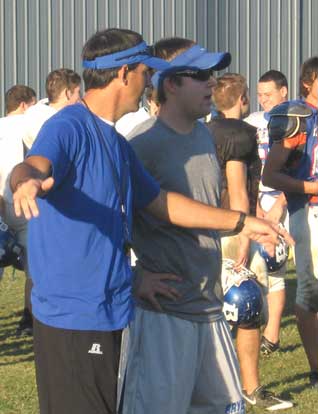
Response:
column 180, row 367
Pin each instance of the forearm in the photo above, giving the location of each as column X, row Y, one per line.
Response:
column 23, row 172
column 240, row 202
column 283, row 182
column 182, row 211
column 275, row 177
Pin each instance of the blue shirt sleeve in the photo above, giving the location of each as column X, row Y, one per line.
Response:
column 58, row 142
column 145, row 187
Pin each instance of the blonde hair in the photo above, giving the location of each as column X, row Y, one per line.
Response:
column 227, row 90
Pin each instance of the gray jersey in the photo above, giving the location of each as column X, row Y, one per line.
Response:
column 187, row 164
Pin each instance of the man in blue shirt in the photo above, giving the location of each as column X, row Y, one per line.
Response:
column 292, row 167
column 80, row 185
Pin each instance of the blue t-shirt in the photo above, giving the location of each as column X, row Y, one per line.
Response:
column 81, row 274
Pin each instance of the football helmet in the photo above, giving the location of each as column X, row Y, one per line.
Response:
column 11, row 252
column 275, row 263
column 243, row 299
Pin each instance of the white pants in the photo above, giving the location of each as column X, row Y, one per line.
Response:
column 277, row 281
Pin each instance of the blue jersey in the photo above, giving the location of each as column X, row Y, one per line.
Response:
column 80, row 271
column 302, row 163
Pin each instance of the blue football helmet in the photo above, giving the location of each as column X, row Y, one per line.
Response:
column 11, row 252
column 275, row 263
column 243, row 301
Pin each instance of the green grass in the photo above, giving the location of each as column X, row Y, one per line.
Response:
column 17, row 378
column 284, row 373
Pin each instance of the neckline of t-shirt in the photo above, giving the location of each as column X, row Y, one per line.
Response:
column 82, row 105
column 190, row 134
column 106, row 121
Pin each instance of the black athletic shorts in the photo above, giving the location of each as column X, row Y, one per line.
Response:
column 76, row 371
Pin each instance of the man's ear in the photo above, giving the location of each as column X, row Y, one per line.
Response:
column 306, row 86
column 284, row 92
column 23, row 106
column 68, row 94
column 244, row 99
column 169, row 85
column 122, row 74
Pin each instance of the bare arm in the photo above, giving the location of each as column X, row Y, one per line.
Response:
column 185, row 212
column 237, row 187
column 29, row 180
column 275, row 178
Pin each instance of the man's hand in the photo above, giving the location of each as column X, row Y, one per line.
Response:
column 265, row 233
column 275, row 213
column 260, row 213
column 24, row 197
column 243, row 251
column 152, row 284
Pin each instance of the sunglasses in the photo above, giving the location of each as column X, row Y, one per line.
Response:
column 201, row 75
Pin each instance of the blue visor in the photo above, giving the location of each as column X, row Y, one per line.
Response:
column 197, row 58
column 137, row 54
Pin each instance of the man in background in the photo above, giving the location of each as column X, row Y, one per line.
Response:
column 17, row 100
column 62, row 88
column 272, row 89
column 291, row 167
column 240, row 165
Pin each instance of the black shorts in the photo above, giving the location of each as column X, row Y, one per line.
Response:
column 76, row 371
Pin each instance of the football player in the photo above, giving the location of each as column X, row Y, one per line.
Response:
column 272, row 89
column 292, row 167
column 240, row 165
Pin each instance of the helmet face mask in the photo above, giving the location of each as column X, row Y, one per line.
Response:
column 11, row 252
column 243, row 301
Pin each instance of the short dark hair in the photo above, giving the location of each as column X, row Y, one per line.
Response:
column 104, row 43
column 274, row 76
column 16, row 95
column 59, row 79
column 308, row 75
column 168, row 49
column 228, row 89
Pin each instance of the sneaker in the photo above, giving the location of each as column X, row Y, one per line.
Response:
column 25, row 327
column 268, row 347
column 313, row 378
column 262, row 398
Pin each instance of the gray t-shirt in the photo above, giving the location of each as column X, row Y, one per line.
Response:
column 187, row 164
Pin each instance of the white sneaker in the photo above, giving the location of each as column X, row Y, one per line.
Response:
column 260, row 397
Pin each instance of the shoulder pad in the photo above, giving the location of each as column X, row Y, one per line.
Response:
column 287, row 120
column 293, row 109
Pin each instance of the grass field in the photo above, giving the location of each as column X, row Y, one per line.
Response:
column 284, row 372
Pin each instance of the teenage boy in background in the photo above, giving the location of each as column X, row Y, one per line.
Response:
column 240, row 165
column 17, row 100
column 272, row 89
column 291, row 166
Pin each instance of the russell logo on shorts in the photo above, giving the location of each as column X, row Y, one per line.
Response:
column 96, row 349
column 235, row 408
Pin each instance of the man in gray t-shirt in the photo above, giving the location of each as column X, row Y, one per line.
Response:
column 184, row 163
column 181, row 353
